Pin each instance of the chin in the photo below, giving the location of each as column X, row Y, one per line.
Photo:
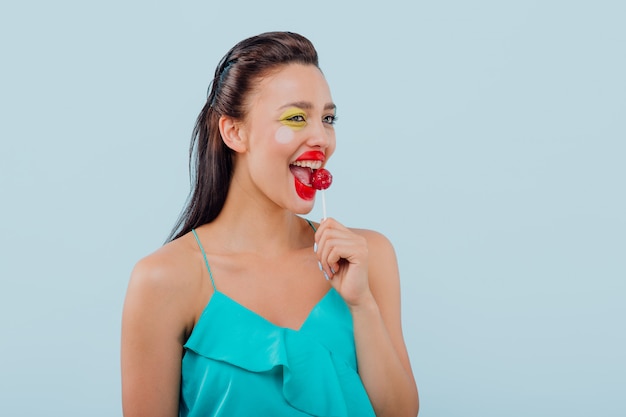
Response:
column 305, row 207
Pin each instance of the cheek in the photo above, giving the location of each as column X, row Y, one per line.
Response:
column 284, row 135
column 332, row 145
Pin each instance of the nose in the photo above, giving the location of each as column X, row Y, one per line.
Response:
column 320, row 135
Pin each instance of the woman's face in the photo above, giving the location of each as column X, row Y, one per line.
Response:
column 289, row 132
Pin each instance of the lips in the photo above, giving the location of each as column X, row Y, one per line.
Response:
column 302, row 170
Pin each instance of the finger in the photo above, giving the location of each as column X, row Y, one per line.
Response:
column 334, row 242
column 325, row 244
column 337, row 250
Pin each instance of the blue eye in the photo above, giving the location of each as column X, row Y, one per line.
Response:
column 331, row 119
column 297, row 118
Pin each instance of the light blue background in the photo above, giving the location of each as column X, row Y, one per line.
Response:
column 485, row 138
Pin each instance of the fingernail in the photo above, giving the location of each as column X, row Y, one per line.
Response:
column 325, row 275
column 332, row 270
column 315, row 247
column 320, row 265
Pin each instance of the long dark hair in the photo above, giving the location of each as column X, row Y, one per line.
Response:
column 210, row 160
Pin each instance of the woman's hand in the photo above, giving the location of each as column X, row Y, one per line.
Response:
column 343, row 256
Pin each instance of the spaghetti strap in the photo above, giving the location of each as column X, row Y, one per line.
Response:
column 206, row 262
column 311, row 224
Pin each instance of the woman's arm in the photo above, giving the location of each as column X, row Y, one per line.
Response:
column 366, row 275
column 153, row 332
column 383, row 360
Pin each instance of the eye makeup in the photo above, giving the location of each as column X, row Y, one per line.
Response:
column 294, row 118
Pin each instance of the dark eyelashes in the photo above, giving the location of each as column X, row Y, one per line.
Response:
column 331, row 119
column 298, row 118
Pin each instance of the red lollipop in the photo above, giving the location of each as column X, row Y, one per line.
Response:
column 321, row 179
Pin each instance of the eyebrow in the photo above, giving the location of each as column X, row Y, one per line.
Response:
column 305, row 105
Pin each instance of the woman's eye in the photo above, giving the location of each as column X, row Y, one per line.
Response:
column 297, row 118
column 330, row 119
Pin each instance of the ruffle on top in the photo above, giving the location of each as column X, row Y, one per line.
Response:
column 318, row 361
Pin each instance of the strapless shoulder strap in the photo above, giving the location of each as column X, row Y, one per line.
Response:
column 206, row 262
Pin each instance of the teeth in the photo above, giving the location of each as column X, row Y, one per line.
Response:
column 308, row 164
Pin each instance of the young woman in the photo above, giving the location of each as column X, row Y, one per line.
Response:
column 250, row 309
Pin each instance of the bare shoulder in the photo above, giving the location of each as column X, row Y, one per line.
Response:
column 167, row 281
column 372, row 236
column 379, row 246
column 171, row 267
column 384, row 275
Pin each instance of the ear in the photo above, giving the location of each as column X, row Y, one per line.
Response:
column 231, row 132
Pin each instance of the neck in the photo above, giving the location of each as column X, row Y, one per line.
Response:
column 247, row 225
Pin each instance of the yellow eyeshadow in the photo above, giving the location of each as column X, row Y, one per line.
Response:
column 291, row 113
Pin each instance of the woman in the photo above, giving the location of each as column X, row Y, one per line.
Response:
column 233, row 317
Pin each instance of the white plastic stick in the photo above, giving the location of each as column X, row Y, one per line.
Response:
column 323, row 204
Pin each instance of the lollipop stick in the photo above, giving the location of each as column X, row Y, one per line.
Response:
column 321, row 180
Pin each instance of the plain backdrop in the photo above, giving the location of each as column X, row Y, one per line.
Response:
column 486, row 139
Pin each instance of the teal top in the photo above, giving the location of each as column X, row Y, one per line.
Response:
column 237, row 363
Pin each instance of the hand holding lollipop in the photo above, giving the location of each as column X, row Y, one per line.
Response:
column 321, row 180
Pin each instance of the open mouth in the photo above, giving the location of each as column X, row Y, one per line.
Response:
column 303, row 170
